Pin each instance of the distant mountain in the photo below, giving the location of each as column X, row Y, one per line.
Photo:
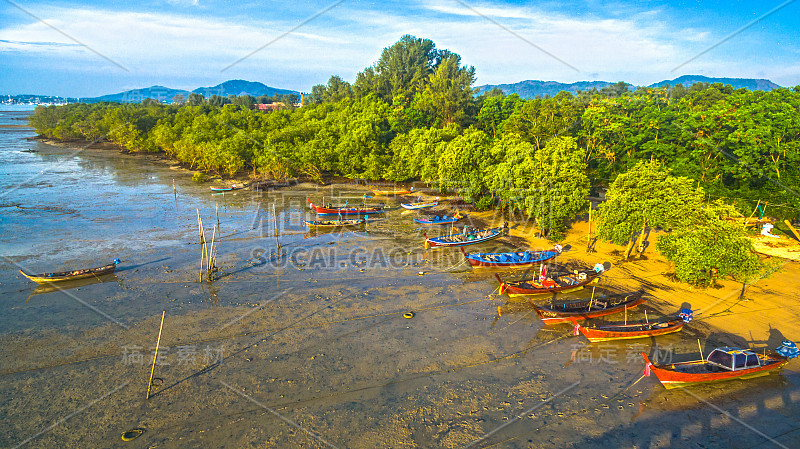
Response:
column 165, row 94
column 738, row 83
column 242, row 87
column 534, row 88
column 160, row 93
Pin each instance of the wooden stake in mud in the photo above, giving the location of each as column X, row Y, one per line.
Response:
column 275, row 216
column 158, row 341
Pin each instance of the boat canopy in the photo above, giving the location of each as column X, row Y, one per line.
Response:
column 733, row 359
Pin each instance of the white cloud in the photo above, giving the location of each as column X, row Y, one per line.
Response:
column 638, row 48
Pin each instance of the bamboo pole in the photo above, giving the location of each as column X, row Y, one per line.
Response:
column 701, row 350
column 791, row 228
column 153, row 369
column 590, row 300
column 202, row 244
column 645, row 317
column 275, row 216
column 751, row 215
column 210, row 257
column 626, row 314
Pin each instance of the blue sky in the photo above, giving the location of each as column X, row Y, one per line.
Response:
column 192, row 43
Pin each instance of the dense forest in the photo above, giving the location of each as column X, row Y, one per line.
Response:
column 413, row 115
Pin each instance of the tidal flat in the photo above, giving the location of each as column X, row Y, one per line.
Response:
column 304, row 342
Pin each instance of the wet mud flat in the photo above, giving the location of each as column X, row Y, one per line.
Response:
column 308, row 345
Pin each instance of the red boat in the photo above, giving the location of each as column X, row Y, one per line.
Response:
column 591, row 308
column 722, row 364
column 344, row 210
column 608, row 332
column 557, row 278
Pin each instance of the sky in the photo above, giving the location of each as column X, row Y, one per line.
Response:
column 90, row 48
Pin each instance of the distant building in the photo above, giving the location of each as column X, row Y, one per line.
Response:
column 269, row 107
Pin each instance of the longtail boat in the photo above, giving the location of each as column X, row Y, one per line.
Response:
column 344, row 210
column 227, row 189
column 72, row 275
column 335, row 223
column 724, row 363
column 466, row 238
column 437, row 220
column 556, row 279
column 420, row 205
column 510, row 260
column 391, row 192
column 592, row 308
column 608, row 332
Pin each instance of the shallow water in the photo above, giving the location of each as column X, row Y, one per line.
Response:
column 306, row 345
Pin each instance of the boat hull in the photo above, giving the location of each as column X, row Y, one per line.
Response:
column 527, row 289
column 630, row 331
column 484, row 259
column 416, row 206
column 551, row 315
column 345, row 210
column 391, row 192
column 70, row 275
column 441, row 242
column 671, row 378
column 333, row 223
column 431, row 222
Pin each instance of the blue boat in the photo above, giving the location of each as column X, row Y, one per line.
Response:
column 467, row 237
column 512, row 259
column 437, row 220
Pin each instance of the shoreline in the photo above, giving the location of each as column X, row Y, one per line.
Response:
column 766, row 308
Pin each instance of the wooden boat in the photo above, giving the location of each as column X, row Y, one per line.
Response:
column 227, row 189
column 724, row 363
column 420, row 205
column 50, row 287
column 335, row 223
column 437, row 220
column 72, row 275
column 592, row 308
column 556, row 279
column 463, row 239
column 608, row 332
column 509, row 260
column 391, row 192
column 344, row 210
